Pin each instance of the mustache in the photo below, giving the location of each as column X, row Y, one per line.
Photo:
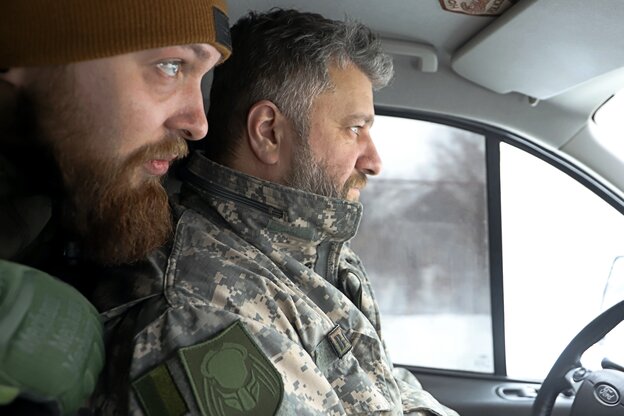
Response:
column 357, row 180
column 170, row 147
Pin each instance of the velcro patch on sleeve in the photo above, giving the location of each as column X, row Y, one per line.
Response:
column 158, row 394
column 231, row 375
column 339, row 342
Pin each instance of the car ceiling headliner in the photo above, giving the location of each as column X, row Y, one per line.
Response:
column 511, row 53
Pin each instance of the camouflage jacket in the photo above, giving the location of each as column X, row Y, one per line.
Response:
column 257, row 307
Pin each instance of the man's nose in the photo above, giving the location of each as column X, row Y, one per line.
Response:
column 369, row 161
column 190, row 120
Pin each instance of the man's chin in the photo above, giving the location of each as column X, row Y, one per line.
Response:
column 353, row 195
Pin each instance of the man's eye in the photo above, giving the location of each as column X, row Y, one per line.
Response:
column 170, row 68
column 355, row 129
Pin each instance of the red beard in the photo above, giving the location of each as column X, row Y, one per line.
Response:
column 116, row 222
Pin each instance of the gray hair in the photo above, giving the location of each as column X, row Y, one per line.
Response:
column 284, row 56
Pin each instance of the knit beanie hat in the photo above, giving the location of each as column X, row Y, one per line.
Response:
column 52, row 32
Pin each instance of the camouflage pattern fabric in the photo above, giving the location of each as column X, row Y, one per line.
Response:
column 275, row 263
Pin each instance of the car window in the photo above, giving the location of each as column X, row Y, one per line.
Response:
column 425, row 241
column 559, row 243
column 608, row 122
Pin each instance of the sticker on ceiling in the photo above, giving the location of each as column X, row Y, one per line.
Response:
column 478, row 7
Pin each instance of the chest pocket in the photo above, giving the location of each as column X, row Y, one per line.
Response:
column 351, row 285
column 359, row 377
column 354, row 284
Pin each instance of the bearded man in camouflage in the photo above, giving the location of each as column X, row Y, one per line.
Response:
column 261, row 307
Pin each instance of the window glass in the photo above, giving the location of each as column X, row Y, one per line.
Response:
column 424, row 242
column 560, row 241
column 423, row 239
column 608, row 120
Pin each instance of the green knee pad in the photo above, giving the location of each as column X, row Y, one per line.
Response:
column 51, row 346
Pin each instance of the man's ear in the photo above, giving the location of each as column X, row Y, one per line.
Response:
column 265, row 131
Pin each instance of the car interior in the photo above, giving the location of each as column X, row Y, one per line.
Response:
column 529, row 75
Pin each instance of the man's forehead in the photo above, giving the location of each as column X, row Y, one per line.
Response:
column 346, row 106
column 202, row 50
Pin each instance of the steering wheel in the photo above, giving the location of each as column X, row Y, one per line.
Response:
column 601, row 393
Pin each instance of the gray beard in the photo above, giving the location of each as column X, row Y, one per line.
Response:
column 309, row 175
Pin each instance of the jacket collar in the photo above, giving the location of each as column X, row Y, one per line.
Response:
column 283, row 209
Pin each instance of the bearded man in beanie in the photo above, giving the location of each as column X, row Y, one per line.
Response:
column 97, row 99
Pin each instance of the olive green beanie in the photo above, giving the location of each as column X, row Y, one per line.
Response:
column 52, row 32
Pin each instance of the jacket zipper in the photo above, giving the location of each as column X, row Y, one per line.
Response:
column 225, row 193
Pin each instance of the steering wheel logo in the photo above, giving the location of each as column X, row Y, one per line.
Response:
column 607, row 394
